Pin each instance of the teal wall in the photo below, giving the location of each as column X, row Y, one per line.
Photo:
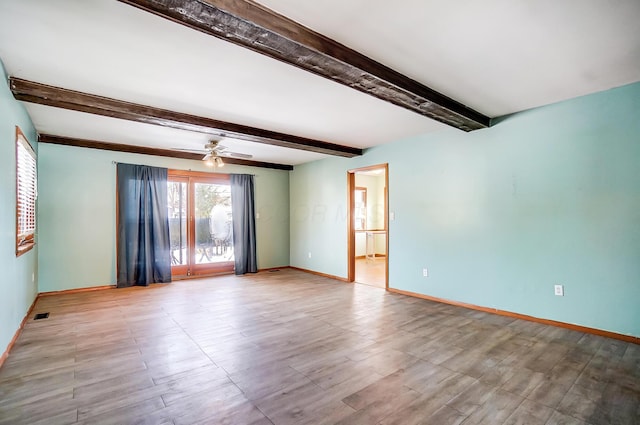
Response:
column 77, row 213
column 18, row 284
column 498, row 216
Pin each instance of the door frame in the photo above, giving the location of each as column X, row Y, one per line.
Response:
column 351, row 232
column 192, row 269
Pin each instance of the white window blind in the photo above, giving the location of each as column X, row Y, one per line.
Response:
column 26, row 192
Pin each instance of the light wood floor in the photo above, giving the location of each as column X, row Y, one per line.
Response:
column 288, row 347
column 371, row 272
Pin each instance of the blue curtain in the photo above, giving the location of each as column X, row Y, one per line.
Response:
column 144, row 246
column 244, row 223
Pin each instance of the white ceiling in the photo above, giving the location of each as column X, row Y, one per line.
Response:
column 496, row 56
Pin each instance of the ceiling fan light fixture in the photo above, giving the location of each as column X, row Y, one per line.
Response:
column 219, row 162
column 209, row 162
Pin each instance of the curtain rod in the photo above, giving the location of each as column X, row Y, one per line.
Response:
column 248, row 174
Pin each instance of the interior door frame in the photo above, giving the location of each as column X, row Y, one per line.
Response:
column 351, row 232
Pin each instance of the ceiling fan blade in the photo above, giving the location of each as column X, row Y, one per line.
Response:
column 217, row 151
column 236, row 155
column 189, row 150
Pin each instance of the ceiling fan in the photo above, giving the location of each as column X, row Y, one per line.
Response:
column 214, row 152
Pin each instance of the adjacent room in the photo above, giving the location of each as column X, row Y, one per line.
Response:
column 337, row 212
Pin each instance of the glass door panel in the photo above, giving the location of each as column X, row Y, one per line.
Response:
column 200, row 223
column 214, row 239
column 177, row 204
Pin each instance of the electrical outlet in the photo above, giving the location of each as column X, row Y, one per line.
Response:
column 392, row 216
column 309, row 254
column 425, row 272
column 559, row 290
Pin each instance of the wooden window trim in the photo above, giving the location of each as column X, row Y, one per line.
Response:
column 205, row 176
column 24, row 242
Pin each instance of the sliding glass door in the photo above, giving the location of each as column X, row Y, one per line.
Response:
column 200, row 223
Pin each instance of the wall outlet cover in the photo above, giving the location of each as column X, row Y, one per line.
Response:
column 559, row 290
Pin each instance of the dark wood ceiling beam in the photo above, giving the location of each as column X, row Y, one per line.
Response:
column 255, row 27
column 43, row 94
column 118, row 147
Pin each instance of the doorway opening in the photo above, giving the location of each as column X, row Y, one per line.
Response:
column 368, row 225
column 200, row 223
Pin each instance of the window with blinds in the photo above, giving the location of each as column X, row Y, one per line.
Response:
column 26, row 192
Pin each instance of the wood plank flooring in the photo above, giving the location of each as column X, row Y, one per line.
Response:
column 371, row 272
column 288, row 347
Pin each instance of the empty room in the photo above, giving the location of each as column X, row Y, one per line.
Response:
column 319, row 212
